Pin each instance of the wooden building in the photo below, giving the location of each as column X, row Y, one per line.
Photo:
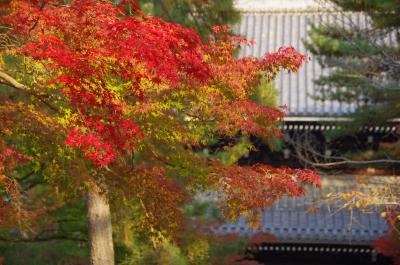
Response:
column 273, row 24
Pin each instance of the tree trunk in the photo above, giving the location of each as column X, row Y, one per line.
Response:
column 100, row 229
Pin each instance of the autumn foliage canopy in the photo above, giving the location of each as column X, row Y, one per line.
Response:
column 134, row 99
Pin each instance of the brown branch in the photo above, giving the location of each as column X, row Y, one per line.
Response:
column 304, row 150
column 26, row 176
column 349, row 162
column 10, row 81
column 157, row 157
column 32, row 185
column 37, row 19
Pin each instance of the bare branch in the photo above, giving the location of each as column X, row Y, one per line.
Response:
column 309, row 155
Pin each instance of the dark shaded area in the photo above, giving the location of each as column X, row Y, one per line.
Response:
column 315, row 254
column 367, row 139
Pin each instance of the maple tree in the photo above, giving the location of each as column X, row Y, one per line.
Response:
column 119, row 105
column 389, row 246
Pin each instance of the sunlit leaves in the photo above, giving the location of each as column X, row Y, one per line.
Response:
column 259, row 186
column 128, row 100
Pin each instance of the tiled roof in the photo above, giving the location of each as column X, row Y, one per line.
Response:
column 274, row 24
column 287, row 27
column 289, row 220
column 274, row 5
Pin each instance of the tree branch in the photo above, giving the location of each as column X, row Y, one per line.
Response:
column 303, row 151
column 10, row 81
